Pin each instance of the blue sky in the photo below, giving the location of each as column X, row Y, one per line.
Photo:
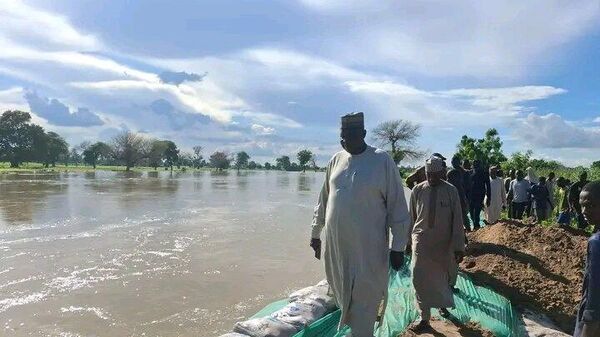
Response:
column 273, row 77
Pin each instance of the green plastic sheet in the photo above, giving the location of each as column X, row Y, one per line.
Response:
column 473, row 304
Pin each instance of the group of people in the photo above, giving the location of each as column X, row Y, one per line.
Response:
column 362, row 201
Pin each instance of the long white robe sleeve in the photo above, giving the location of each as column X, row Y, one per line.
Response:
column 398, row 218
column 321, row 208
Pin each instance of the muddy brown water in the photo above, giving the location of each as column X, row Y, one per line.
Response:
column 150, row 254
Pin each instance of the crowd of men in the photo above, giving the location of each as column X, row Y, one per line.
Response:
column 362, row 200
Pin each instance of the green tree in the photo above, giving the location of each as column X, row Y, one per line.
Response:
column 74, row 157
column 542, row 164
column 399, row 137
column 304, row 157
column 283, row 163
column 220, row 160
column 96, row 151
column 596, row 164
column 487, row 149
column 129, row 148
column 186, row 159
column 171, row 155
column 15, row 137
column 267, row 166
column 518, row 161
column 156, row 155
column 39, row 144
column 56, row 148
column 252, row 165
column 241, row 160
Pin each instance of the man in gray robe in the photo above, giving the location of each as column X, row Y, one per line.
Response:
column 438, row 241
column 361, row 200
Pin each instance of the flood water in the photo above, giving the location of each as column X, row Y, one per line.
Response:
column 150, row 254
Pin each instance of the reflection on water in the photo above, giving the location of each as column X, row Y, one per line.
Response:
column 28, row 194
column 306, row 182
column 152, row 254
column 283, row 179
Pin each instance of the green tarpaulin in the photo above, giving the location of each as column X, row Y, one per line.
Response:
column 473, row 304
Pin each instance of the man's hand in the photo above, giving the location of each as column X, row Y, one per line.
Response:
column 488, row 202
column 396, row 260
column 315, row 244
column 459, row 256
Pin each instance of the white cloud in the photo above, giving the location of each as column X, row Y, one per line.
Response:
column 597, row 120
column 467, row 38
column 504, row 97
column 450, row 107
column 12, row 99
column 21, row 22
column 388, row 88
column 552, row 131
column 262, row 130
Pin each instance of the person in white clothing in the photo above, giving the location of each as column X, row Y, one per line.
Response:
column 362, row 199
column 497, row 196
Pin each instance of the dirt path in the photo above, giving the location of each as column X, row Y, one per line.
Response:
column 450, row 329
column 536, row 267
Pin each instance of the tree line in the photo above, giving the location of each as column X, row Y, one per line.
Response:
column 23, row 141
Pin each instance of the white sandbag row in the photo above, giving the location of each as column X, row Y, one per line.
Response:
column 306, row 307
column 538, row 325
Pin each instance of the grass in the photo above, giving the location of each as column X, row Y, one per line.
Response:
column 39, row 168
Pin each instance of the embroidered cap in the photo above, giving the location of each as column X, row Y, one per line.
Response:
column 355, row 120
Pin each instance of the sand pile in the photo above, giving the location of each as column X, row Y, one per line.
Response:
column 535, row 267
column 450, row 329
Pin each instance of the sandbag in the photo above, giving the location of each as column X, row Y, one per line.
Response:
column 265, row 327
column 319, row 293
column 301, row 314
column 538, row 325
column 233, row 334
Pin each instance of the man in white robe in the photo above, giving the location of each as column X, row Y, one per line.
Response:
column 361, row 200
column 497, row 197
column 438, row 241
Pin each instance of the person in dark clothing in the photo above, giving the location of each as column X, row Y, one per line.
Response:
column 588, row 315
column 456, row 177
column 511, row 177
column 479, row 188
column 564, row 209
column 574, row 192
column 541, row 200
column 466, row 165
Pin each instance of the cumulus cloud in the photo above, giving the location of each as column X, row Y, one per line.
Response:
column 262, row 130
column 597, row 120
column 451, row 107
column 179, row 77
column 552, row 131
column 57, row 113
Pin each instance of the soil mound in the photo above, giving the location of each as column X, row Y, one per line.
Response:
column 534, row 266
column 450, row 329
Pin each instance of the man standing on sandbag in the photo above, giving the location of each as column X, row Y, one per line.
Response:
column 438, row 241
column 588, row 316
column 361, row 200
